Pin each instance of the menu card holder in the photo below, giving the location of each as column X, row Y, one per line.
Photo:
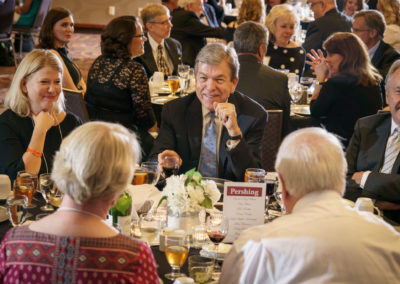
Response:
column 244, row 205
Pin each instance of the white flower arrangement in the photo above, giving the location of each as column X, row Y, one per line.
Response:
column 189, row 193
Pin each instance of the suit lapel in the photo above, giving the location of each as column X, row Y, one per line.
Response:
column 148, row 57
column 194, row 126
column 172, row 54
column 378, row 54
column 382, row 132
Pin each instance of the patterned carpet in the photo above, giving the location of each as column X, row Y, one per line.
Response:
column 84, row 48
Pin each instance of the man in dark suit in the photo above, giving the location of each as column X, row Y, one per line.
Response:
column 238, row 121
column 156, row 21
column 258, row 81
column 209, row 16
column 190, row 31
column 373, row 153
column 328, row 20
column 370, row 25
column 170, row 4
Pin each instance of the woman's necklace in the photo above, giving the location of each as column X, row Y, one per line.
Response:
column 65, row 208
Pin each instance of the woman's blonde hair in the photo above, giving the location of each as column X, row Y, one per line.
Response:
column 355, row 61
column 391, row 11
column 278, row 11
column 252, row 10
column 96, row 161
column 34, row 61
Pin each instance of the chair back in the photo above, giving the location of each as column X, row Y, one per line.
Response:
column 41, row 14
column 271, row 139
column 74, row 103
column 6, row 16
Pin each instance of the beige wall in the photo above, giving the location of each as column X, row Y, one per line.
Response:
column 95, row 12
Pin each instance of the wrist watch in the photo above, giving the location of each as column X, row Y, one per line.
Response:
column 237, row 137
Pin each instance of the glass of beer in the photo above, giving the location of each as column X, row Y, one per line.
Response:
column 176, row 251
column 256, row 175
column 173, row 84
column 140, row 176
column 24, row 188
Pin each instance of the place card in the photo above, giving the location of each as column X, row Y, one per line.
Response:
column 244, row 205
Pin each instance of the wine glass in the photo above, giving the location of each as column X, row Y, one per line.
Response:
column 48, row 190
column 278, row 198
column 170, row 166
column 217, row 228
column 176, row 251
column 271, row 186
column 173, row 84
column 16, row 209
column 183, row 71
column 153, row 172
column 149, row 227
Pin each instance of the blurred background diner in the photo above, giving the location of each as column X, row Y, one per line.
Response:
column 390, row 10
column 348, row 85
column 32, row 129
column 352, row 6
column 250, row 10
column 118, row 89
column 283, row 53
column 55, row 34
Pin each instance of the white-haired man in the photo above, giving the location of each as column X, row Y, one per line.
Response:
column 190, row 31
column 321, row 240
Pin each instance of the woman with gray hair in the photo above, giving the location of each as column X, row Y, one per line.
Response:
column 93, row 166
column 32, row 129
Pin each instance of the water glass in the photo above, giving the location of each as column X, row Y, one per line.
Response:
column 149, row 228
column 48, row 190
column 153, row 172
column 16, row 209
column 201, row 268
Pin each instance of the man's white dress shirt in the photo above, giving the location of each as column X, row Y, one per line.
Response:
column 322, row 241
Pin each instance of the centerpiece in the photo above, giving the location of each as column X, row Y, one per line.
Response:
column 187, row 196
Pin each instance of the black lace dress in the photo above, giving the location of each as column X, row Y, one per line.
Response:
column 117, row 91
column 286, row 58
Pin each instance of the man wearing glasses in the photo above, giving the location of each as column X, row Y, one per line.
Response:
column 328, row 20
column 369, row 26
column 161, row 53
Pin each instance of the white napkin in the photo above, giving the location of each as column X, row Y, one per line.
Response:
column 144, row 196
column 5, row 187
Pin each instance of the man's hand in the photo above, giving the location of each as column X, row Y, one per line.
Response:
column 226, row 113
column 357, row 176
column 170, row 153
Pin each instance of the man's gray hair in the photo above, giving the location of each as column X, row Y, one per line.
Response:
column 149, row 12
column 374, row 20
column 96, row 161
column 249, row 36
column 311, row 159
column 215, row 54
column 184, row 3
column 393, row 68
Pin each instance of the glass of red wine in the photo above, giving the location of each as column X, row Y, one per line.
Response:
column 217, row 229
column 170, row 166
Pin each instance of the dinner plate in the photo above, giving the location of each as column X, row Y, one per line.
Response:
column 3, row 214
column 209, row 250
column 162, row 100
column 301, row 110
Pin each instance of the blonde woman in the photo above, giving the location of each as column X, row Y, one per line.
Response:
column 391, row 11
column 250, row 10
column 94, row 165
column 32, row 129
column 283, row 52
